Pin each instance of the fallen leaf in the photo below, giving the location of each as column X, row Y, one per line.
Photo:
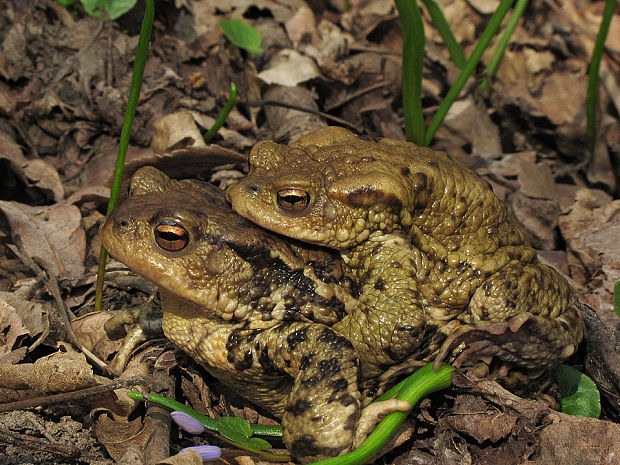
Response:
column 52, row 234
column 289, row 68
column 34, row 173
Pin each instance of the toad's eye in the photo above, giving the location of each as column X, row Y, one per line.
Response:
column 293, row 200
column 171, row 236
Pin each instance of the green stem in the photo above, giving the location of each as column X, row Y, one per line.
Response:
column 207, row 422
column 466, row 72
column 232, row 98
column 498, row 53
column 132, row 103
column 439, row 20
column 593, row 73
column 420, row 384
column 413, row 68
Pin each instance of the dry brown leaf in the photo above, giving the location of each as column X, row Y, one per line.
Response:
column 21, row 318
column 173, row 128
column 36, row 172
column 13, row 331
column 188, row 457
column 289, row 68
column 59, row 372
column 51, row 234
column 591, row 231
column 471, row 122
column 118, row 435
column 301, row 26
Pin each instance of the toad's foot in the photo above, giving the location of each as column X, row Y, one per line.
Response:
column 374, row 413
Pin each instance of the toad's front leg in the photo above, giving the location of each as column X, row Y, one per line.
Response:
column 322, row 414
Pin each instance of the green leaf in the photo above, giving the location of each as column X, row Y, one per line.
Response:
column 65, row 2
column 617, row 298
column 258, row 443
column 114, row 8
column 580, row 397
column 242, row 34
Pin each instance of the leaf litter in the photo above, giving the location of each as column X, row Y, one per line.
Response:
column 64, row 80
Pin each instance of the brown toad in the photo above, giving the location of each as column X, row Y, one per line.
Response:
column 254, row 308
column 438, row 257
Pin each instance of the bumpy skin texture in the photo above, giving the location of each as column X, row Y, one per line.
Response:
column 253, row 308
column 439, row 259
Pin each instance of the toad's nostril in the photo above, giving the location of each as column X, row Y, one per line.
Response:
column 253, row 189
column 123, row 223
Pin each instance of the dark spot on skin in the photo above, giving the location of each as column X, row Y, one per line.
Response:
column 487, row 286
column 511, row 304
column 244, row 363
column 397, row 265
column 380, row 285
column 565, row 325
column 311, row 382
column 462, row 267
column 365, row 195
column 334, row 340
column 351, row 423
column 390, row 353
column 305, row 362
column 462, row 199
column 338, row 385
column 266, row 362
column 347, row 399
column 376, row 249
column 485, row 312
column 296, row 337
column 305, row 446
column 299, row 407
column 287, row 363
column 329, row 368
column 234, row 340
column 420, row 182
column 282, row 327
column 405, row 171
column 432, row 163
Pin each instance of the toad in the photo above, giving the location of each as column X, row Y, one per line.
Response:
column 440, row 261
column 256, row 310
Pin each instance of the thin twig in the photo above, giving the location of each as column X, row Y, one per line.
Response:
column 75, row 395
column 261, row 103
column 359, row 93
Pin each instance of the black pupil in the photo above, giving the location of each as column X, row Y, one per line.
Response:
column 170, row 236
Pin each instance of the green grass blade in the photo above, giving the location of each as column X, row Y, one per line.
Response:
column 232, row 98
column 498, row 53
column 439, row 20
column 413, row 67
column 593, row 72
column 468, row 69
column 130, row 111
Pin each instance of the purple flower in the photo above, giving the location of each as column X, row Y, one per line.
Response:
column 187, row 423
column 207, row 453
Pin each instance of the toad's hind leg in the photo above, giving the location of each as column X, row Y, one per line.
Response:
column 526, row 315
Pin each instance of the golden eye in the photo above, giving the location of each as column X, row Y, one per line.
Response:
column 293, row 200
column 171, row 236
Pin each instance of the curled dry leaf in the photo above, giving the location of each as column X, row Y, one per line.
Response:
column 20, row 318
column 36, row 172
column 52, row 234
column 289, row 68
column 118, row 435
column 59, row 372
column 13, row 332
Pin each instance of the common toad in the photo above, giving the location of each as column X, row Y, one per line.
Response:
column 255, row 309
column 439, row 259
